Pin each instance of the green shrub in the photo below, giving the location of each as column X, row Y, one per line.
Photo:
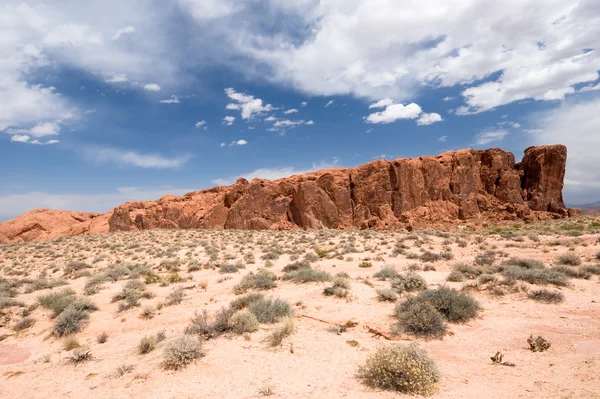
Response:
column 538, row 276
column 181, row 351
column 93, row 285
column 429, row 256
column 57, row 302
column 341, row 282
column 455, row 306
column 486, row 259
column 409, row 281
column 455, row 276
column 70, row 321
column 569, row 259
column 546, row 296
column 244, row 300
column 387, row 273
column 524, row 263
column 270, row 310
column 419, row 318
column 228, row 268
column 365, row 264
column 307, row 276
column 208, row 326
column 244, row 322
column 292, row 267
column 571, row 272
column 405, row 369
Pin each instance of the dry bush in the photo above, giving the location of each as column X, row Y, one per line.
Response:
column 244, row 322
column 408, row 282
column 307, row 276
column 270, row 310
column 181, row 351
column 245, row 300
column 405, row 369
column 419, row 318
column 547, row 296
column 286, row 329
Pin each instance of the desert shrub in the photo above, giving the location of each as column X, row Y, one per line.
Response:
column 131, row 294
column 148, row 313
column 486, row 278
column 419, row 318
column 147, row 344
column 70, row 321
column 270, row 310
column 70, row 343
column 455, row 306
column 387, row 273
column 341, row 282
column 244, row 300
column 57, row 302
column 75, row 267
column 181, row 351
column 208, row 326
column 114, row 273
column 409, row 282
column 307, row 276
column 455, row 276
column 244, row 322
column 43, row 284
column 261, row 280
column 296, row 266
column 93, row 285
column 386, row 294
column 174, row 297
column 569, row 259
column 546, row 296
column 571, row 272
column 538, row 276
column 193, row 267
column 592, row 269
column 365, row 264
column 597, row 255
column 79, row 355
column 468, row 271
column 429, row 256
column 485, row 259
column 405, row 369
column 228, row 268
column 538, row 344
column 286, row 329
column 102, row 337
column 524, row 263
column 24, row 323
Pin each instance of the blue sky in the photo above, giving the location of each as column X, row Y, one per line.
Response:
column 131, row 100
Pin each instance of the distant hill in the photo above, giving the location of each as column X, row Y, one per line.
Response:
column 582, row 206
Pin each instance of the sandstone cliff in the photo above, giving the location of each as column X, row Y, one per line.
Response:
column 466, row 186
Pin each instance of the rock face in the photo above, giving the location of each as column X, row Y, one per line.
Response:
column 46, row 224
column 463, row 187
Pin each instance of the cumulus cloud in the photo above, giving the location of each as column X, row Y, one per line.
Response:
column 490, row 136
column 576, row 125
column 124, row 31
column 291, row 111
column 246, row 104
column 590, row 88
column 152, row 87
column 118, row 78
column 303, row 104
column 310, row 122
column 228, row 120
column 20, row 138
column 382, row 103
column 428, row 119
column 241, row 142
column 132, row 158
column 201, row 123
column 393, row 112
column 329, row 103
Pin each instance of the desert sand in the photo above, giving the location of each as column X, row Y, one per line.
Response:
column 332, row 335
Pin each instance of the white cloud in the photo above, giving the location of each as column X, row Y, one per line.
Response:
column 448, row 98
column 124, row 31
column 393, row 112
column 153, row 161
column 152, row 87
column 490, row 136
column 20, row 138
column 49, row 142
column 310, row 122
column 590, row 88
column 288, row 123
column 15, row 204
column 271, row 118
column 303, row 104
column 246, row 104
column 442, row 139
column 576, row 125
column 382, row 103
column 241, row 142
column 39, row 130
column 206, row 10
column 222, row 145
column 118, row 78
column 428, row 119
column 200, row 124
column 277, row 173
column 329, row 103
column 172, row 100
column 228, row 120
column 291, row 111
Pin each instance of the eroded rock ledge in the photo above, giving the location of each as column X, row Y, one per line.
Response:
column 475, row 187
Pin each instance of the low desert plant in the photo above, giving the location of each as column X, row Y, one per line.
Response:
column 538, row 344
column 181, row 351
column 387, row 273
column 419, row 318
column 307, row 276
column 569, row 259
column 23, row 324
column 544, row 295
column 405, row 369
column 386, row 294
column 286, row 329
column 270, row 310
column 538, row 276
column 261, row 280
column 228, row 268
column 174, row 297
column 148, row 313
column 70, row 343
column 79, row 355
column 292, row 267
column 70, row 321
column 244, row 322
column 408, row 282
column 147, row 344
column 365, row 264
column 102, row 337
column 524, row 263
column 244, row 300
column 455, row 306
column 57, row 302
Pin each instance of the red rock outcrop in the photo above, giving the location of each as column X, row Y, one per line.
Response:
column 46, row 224
column 466, row 186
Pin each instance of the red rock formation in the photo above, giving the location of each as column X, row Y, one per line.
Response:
column 466, row 186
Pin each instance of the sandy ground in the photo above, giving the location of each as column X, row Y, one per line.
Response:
column 316, row 361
